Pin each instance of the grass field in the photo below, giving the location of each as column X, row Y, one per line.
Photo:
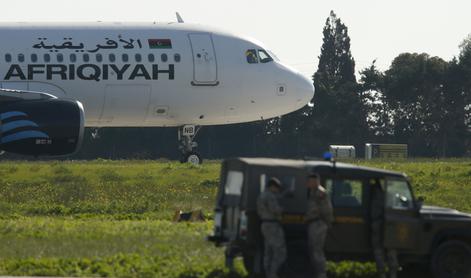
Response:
column 114, row 218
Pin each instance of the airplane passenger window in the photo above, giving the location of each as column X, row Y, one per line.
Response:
column 73, row 58
column 125, row 57
column 151, row 57
column 251, row 56
column 99, row 58
column 164, row 57
column 34, row 58
column 138, row 57
column 47, row 58
column 8, row 58
column 264, row 57
column 177, row 58
column 112, row 57
column 86, row 57
column 21, row 58
column 60, row 58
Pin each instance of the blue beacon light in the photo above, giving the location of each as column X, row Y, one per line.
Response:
column 328, row 156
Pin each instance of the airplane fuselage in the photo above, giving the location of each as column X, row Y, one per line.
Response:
column 149, row 74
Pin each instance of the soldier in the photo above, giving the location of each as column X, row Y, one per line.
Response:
column 377, row 225
column 319, row 217
column 269, row 211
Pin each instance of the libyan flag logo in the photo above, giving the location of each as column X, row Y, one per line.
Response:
column 160, row 43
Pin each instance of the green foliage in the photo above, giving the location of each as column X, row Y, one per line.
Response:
column 351, row 269
column 337, row 115
column 120, row 265
column 112, row 218
column 422, row 101
column 335, row 91
column 120, row 189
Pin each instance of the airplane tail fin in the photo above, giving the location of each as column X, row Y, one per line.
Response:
column 179, row 18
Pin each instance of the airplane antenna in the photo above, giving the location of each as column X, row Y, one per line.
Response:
column 179, row 18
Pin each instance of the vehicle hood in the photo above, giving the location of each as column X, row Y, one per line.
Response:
column 439, row 212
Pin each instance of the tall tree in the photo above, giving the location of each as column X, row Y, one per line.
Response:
column 379, row 116
column 452, row 117
column 338, row 115
column 465, row 69
column 422, row 100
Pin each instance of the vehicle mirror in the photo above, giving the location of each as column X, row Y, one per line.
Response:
column 420, row 202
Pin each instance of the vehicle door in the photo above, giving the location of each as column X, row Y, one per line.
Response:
column 232, row 191
column 402, row 219
column 204, row 60
column 349, row 233
column 291, row 199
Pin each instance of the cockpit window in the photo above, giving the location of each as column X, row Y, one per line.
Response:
column 273, row 55
column 251, row 56
column 264, row 57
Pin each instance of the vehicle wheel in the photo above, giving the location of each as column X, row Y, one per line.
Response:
column 193, row 158
column 452, row 260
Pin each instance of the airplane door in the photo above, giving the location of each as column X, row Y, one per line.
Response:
column 204, row 60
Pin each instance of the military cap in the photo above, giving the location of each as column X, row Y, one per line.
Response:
column 274, row 182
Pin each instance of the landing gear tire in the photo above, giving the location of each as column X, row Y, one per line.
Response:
column 186, row 135
column 192, row 157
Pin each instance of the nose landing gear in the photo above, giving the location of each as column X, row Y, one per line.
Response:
column 186, row 135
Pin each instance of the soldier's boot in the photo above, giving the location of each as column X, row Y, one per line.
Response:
column 381, row 274
column 272, row 275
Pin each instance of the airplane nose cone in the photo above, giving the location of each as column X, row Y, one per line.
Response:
column 305, row 90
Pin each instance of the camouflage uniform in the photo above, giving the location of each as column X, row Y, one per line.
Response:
column 319, row 217
column 269, row 211
column 377, row 224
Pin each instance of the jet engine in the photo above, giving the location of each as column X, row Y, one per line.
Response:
column 45, row 126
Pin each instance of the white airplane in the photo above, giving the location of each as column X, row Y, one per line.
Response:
column 56, row 79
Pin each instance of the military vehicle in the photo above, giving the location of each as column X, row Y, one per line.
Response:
column 439, row 238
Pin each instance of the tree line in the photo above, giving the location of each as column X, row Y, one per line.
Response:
column 420, row 100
